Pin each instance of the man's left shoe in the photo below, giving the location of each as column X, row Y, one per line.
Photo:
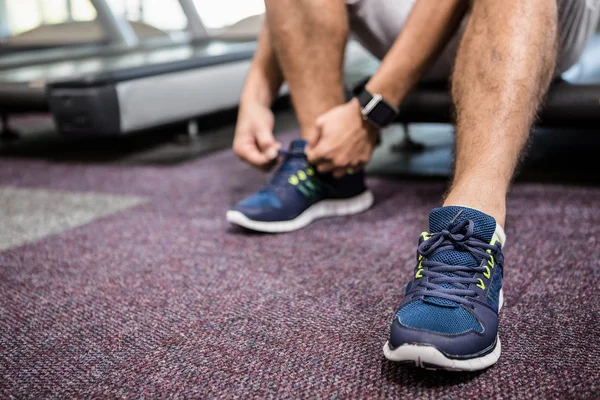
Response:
column 449, row 316
column 297, row 195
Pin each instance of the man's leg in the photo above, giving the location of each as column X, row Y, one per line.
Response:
column 309, row 38
column 504, row 65
column 503, row 68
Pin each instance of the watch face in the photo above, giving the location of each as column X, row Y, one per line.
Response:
column 382, row 114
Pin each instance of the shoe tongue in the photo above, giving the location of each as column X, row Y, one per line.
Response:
column 447, row 217
column 290, row 165
column 298, row 145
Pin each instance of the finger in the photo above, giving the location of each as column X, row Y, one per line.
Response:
column 312, row 139
column 339, row 172
column 315, row 156
column 355, row 167
column 320, row 121
column 252, row 155
column 268, row 146
column 310, row 153
column 272, row 152
column 325, row 167
column 265, row 140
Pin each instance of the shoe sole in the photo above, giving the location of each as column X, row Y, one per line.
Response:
column 322, row 209
column 424, row 356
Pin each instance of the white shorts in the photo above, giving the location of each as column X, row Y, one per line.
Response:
column 377, row 24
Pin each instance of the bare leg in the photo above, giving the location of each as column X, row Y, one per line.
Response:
column 309, row 38
column 503, row 68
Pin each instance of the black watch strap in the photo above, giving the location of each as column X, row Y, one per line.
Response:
column 364, row 97
column 375, row 109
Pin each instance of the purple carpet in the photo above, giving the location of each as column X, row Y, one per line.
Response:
column 165, row 299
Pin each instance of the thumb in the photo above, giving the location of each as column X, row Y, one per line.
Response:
column 320, row 121
column 267, row 144
column 317, row 131
column 272, row 152
column 314, row 136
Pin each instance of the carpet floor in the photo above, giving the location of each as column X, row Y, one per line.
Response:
column 165, row 299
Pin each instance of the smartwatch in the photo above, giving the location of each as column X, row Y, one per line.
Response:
column 375, row 109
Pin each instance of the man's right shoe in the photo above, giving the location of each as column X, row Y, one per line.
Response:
column 449, row 316
column 297, row 195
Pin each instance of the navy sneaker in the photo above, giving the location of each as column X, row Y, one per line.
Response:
column 297, row 195
column 449, row 316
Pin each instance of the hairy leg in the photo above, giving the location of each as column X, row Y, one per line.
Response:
column 503, row 68
column 309, row 38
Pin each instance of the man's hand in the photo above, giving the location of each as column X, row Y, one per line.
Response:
column 254, row 141
column 343, row 140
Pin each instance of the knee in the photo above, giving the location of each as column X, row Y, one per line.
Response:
column 300, row 4
column 540, row 7
column 325, row 18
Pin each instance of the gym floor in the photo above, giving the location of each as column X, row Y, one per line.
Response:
column 121, row 278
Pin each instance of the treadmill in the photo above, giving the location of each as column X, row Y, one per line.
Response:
column 146, row 89
column 127, row 86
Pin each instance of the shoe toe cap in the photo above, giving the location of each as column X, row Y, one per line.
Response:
column 453, row 342
column 261, row 206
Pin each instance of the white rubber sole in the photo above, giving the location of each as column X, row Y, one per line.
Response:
column 431, row 358
column 322, row 209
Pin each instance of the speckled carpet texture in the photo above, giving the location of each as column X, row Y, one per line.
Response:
column 163, row 298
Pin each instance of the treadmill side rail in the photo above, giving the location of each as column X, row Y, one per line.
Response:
column 134, row 105
column 169, row 98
